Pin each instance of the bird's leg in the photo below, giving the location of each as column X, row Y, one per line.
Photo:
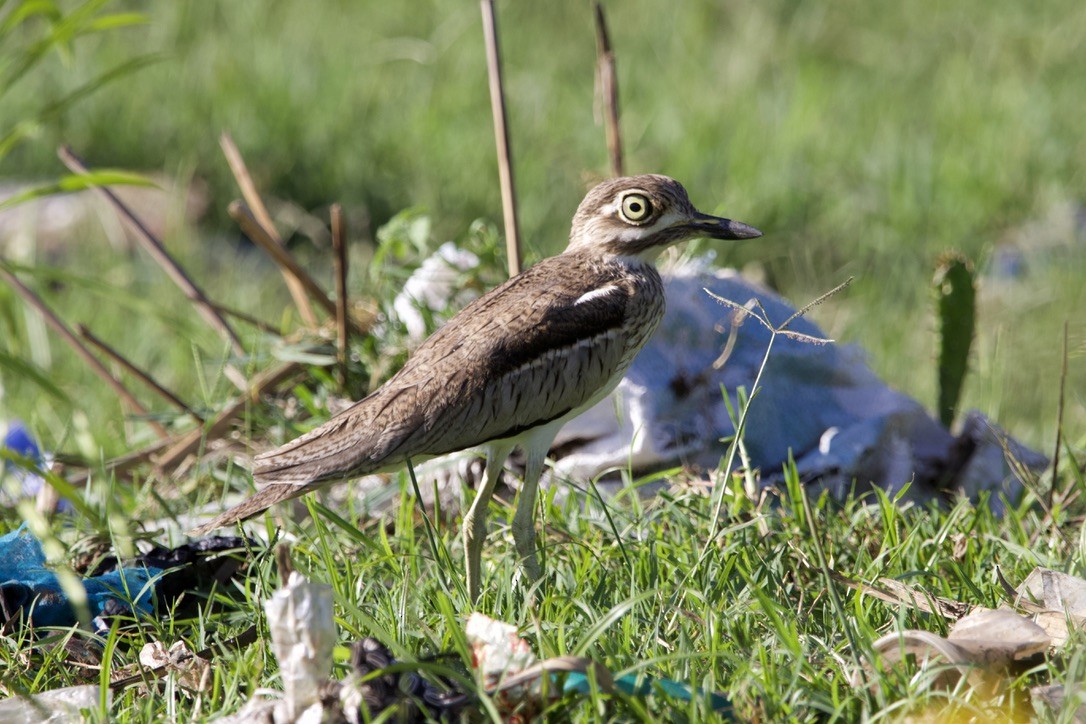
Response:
column 524, row 518
column 475, row 519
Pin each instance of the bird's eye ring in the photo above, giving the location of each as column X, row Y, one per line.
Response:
column 635, row 208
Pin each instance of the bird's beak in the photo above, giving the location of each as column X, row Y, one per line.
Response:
column 718, row 228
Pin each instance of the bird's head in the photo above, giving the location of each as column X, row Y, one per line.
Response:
column 639, row 216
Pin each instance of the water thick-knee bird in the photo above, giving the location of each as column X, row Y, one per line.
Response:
column 510, row 368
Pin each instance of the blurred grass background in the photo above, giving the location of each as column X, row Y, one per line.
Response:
column 864, row 140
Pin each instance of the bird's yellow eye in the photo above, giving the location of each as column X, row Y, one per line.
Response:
column 636, row 208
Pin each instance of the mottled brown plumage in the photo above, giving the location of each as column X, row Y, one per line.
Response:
column 513, row 365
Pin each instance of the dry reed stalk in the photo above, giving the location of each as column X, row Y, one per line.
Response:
column 501, row 137
column 608, row 89
column 252, row 228
column 339, row 262
column 260, row 213
column 190, row 442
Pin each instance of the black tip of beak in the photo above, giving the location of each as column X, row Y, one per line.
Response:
column 719, row 228
column 739, row 230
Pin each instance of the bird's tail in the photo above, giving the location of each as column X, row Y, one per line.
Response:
column 347, row 446
column 264, row 499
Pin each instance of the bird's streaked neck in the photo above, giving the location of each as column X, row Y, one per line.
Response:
column 633, row 258
column 645, row 257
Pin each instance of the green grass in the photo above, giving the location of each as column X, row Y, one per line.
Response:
column 751, row 619
column 864, row 140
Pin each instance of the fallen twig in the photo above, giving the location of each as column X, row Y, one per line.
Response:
column 247, row 318
column 121, row 464
column 501, row 137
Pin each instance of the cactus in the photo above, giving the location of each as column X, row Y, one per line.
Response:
column 955, row 305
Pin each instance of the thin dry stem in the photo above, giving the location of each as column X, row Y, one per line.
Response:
column 136, row 372
column 159, row 253
column 68, row 336
column 1059, row 422
column 501, row 136
column 247, row 318
column 123, row 463
column 260, row 212
column 260, row 236
column 188, row 443
column 339, row 263
column 283, row 562
column 608, row 89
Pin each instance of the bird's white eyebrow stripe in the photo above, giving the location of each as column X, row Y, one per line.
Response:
column 595, row 294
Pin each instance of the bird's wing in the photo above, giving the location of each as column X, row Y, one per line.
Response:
column 530, row 351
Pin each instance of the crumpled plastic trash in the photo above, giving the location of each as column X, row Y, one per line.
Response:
column 302, row 625
column 820, row 403
column 188, row 570
column 408, row 694
column 56, row 705
column 497, row 650
column 303, row 633
column 31, row 590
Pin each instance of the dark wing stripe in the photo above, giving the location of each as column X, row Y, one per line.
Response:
column 555, row 391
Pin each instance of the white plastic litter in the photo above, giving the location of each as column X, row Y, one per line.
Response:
column 498, row 651
column 819, row 402
column 303, row 634
column 58, row 705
